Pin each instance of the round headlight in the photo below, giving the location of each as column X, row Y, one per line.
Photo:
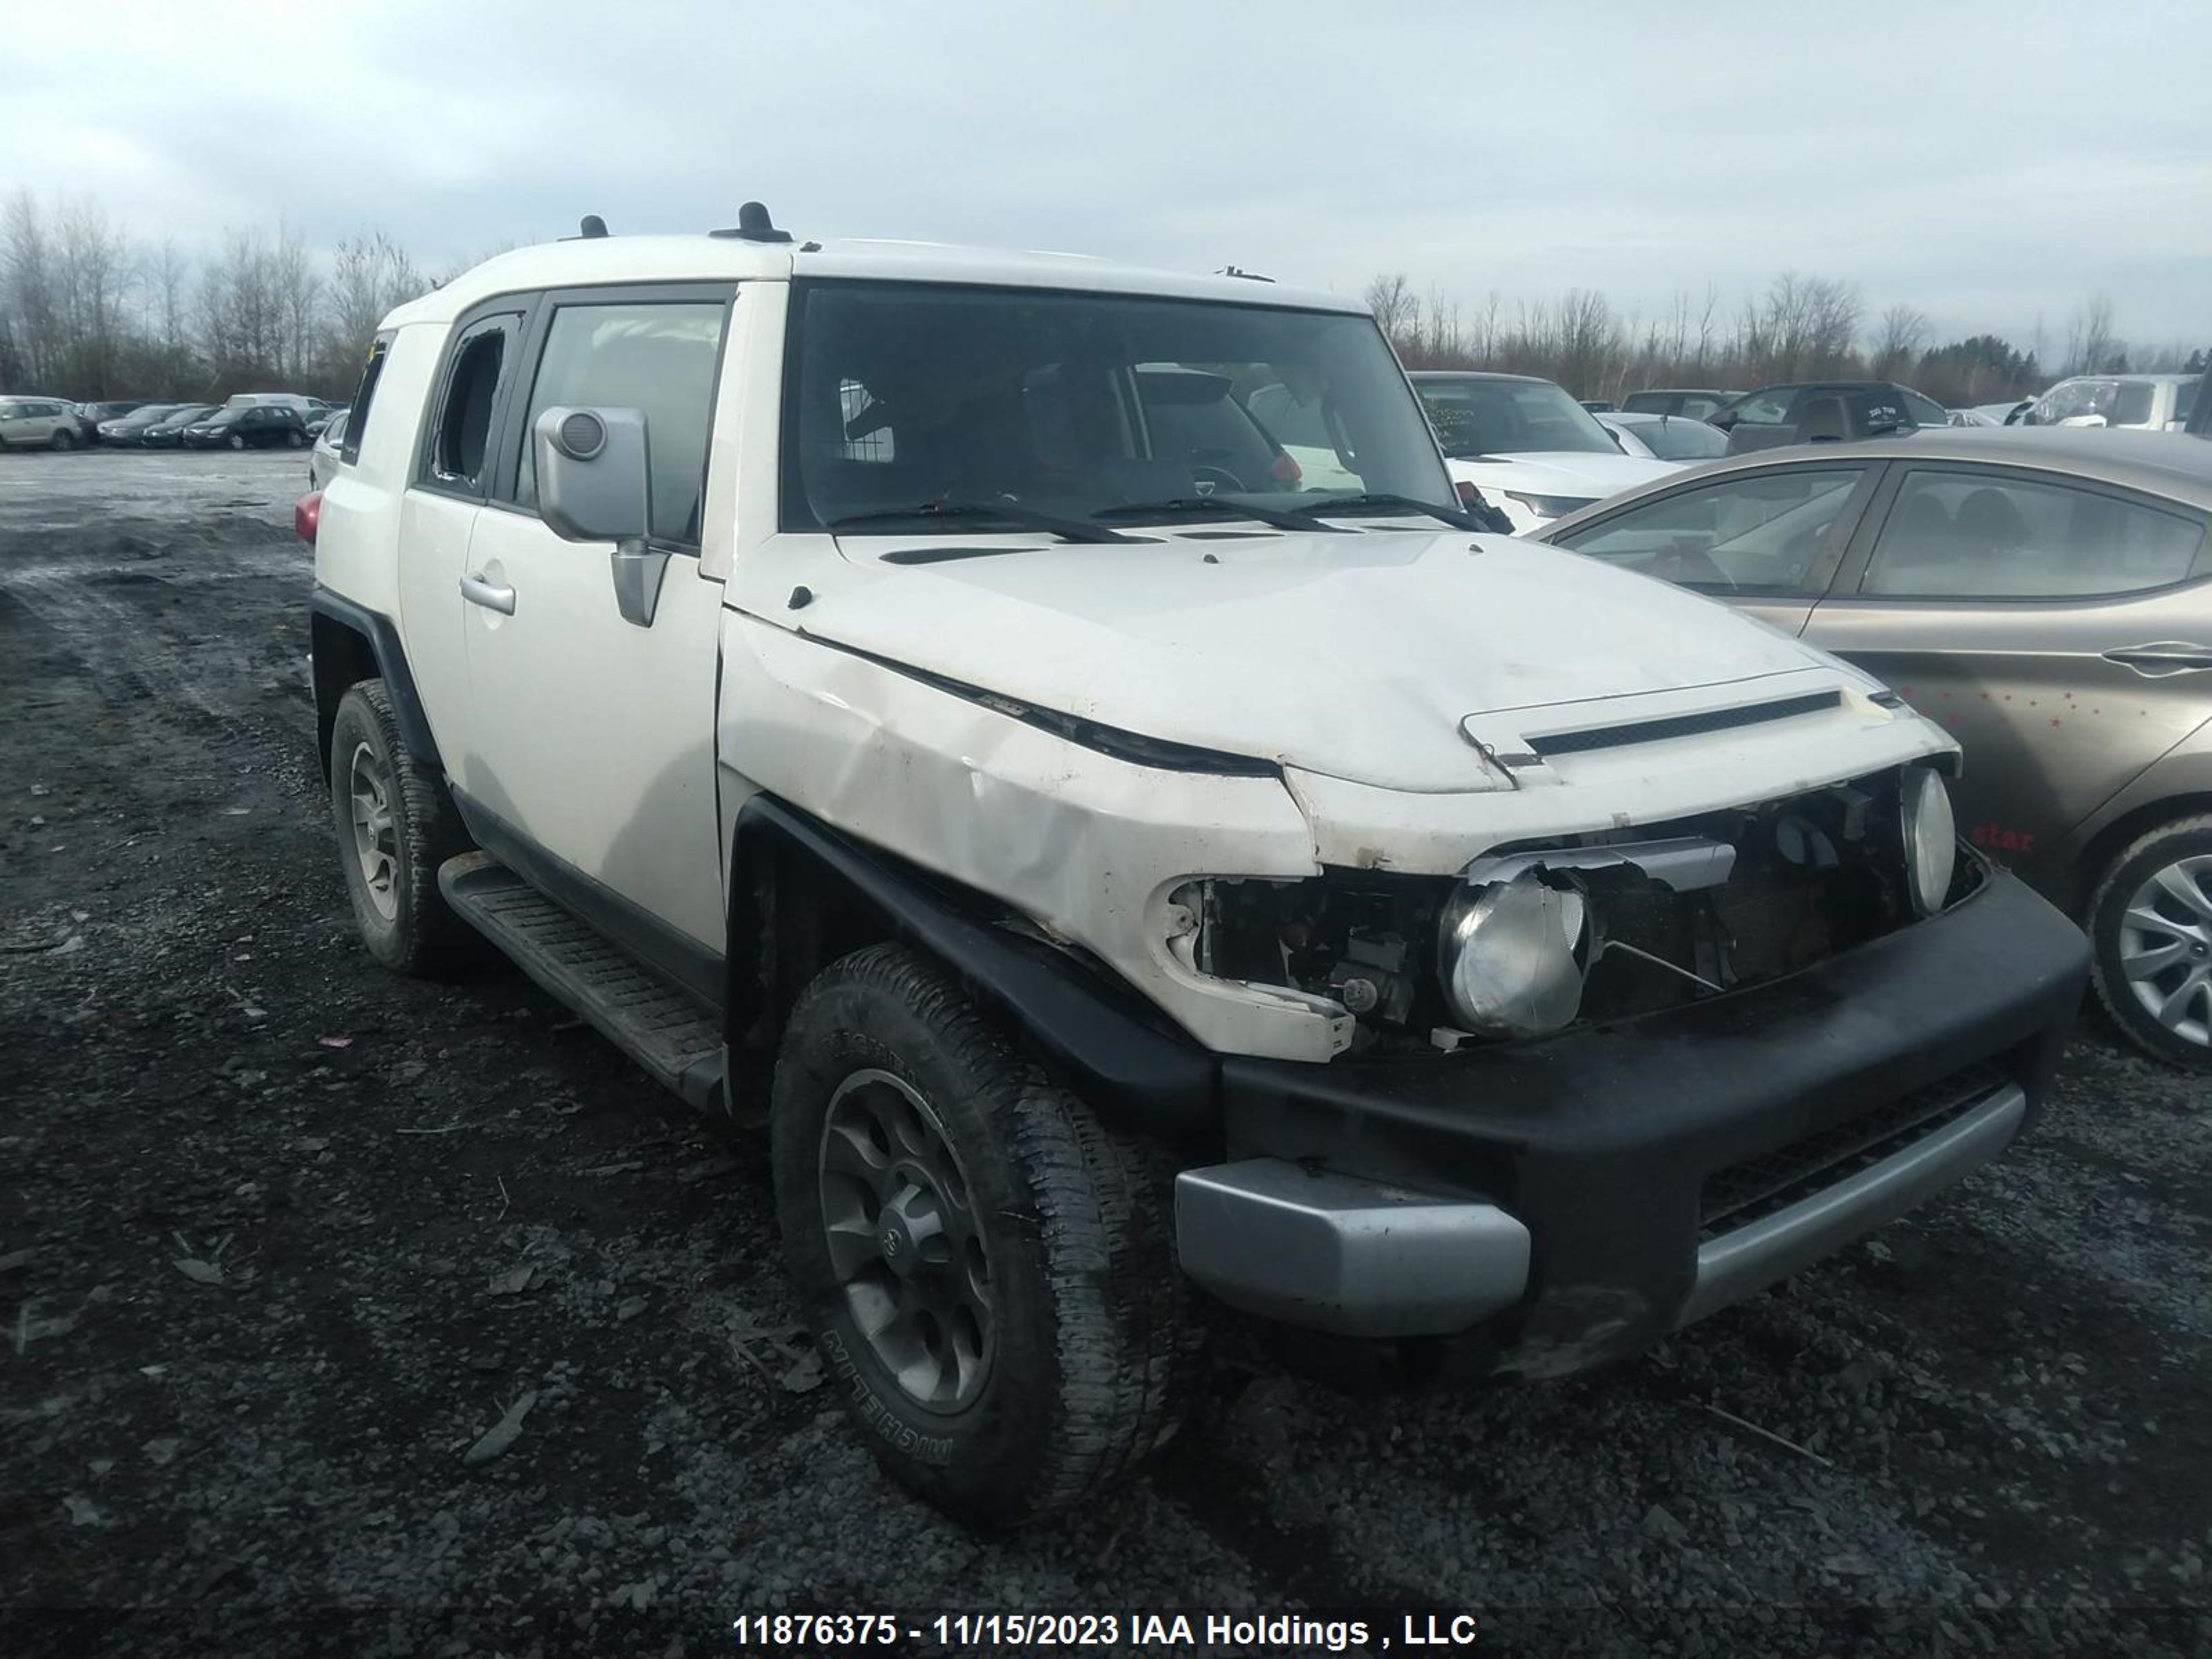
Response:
column 1931, row 839
column 1512, row 954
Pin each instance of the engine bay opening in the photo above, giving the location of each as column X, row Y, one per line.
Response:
column 1661, row 915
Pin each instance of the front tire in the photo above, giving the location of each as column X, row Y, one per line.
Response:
column 396, row 824
column 2150, row 935
column 989, row 1271
column 63, row 441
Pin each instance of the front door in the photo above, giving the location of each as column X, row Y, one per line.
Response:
column 591, row 737
column 2060, row 630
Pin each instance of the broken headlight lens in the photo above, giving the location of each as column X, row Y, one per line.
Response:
column 1511, row 956
column 1931, row 839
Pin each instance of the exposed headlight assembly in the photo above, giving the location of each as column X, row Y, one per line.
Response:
column 1931, row 839
column 1511, row 956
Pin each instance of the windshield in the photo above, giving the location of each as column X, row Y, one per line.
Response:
column 1510, row 417
column 911, row 396
column 1677, row 438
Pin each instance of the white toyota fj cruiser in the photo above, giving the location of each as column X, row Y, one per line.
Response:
column 910, row 697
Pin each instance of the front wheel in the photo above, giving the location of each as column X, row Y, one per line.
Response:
column 2150, row 931
column 989, row 1271
column 64, row 439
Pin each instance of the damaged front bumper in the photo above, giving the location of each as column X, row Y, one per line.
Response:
column 1556, row 1205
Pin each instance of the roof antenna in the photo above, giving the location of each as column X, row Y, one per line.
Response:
column 754, row 226
column 594, row 225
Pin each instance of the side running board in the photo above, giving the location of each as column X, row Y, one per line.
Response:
column 664, row 1031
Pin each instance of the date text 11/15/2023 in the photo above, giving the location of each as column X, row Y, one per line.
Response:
column 1164, row 1632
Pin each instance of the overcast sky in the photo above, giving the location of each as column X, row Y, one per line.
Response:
column 1990, row 163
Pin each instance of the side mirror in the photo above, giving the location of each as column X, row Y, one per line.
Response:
column 595, row 484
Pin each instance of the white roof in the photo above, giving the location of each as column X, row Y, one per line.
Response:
column 610, row 260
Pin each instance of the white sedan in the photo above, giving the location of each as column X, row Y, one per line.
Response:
column 1534, row 453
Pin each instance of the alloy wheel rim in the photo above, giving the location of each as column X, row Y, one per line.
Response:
column 905, row 1242
column 375, row 836
column 2166, row 948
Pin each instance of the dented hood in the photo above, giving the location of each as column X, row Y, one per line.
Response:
column 1353, row 655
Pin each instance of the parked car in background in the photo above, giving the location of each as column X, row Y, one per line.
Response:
column 322, row 418
column 323, row 458
column 298, row 403
column 39, row 423
column 1698, row 402
column 2145, row 403
column 1825, row 411
column 1596, row 405
column 1529, row 450
column 1974, row 417
column 2199, row 423
column 127, row 430
column 2046, row 596
column 1665, row 437
column 168, row 432
column 90, row 417
column 2009, row 413
column 248, row 426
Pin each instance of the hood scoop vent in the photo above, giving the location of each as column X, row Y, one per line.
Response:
column 1681, row 725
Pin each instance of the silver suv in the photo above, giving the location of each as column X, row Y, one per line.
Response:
column 37, row 424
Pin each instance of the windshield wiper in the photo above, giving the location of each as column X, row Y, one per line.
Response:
column 1280, row 518
column 1372, row 502
column 1025, row 518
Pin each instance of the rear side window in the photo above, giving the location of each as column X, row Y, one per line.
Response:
column 363, row 395
column 1980, row 535
column 461, row 438
column 657, row 356
column 1767, row 407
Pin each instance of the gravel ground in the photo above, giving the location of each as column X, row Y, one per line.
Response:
column 283, row 1240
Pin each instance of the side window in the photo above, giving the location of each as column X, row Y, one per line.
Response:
column 460, row 437
column 654, row 355
column 1763, row 533
column 364, row 395
column 1984, row 535
column 1926, row 410
column 868, row 435
column 1767, row 408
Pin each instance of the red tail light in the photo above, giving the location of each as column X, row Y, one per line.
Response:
column 1285, row 469
column 307, row 516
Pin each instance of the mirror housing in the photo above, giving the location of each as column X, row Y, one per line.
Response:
column 595, row 483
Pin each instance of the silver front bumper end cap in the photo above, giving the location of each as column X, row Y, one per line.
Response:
column 1334, row 1253
column 1751, row 1257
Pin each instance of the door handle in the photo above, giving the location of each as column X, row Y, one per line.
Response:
column 491, row 595
column 2164, row 658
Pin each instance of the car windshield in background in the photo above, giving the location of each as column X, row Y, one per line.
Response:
column 1677, row 438
column 1475, row 416
column 906, row 396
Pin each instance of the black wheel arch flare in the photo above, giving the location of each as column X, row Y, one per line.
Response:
column 803, row 895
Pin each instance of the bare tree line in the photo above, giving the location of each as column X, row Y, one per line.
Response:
column 88, row 311
column 1798, row 328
